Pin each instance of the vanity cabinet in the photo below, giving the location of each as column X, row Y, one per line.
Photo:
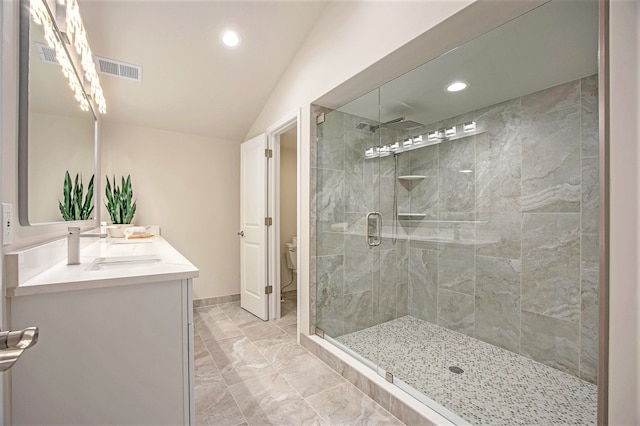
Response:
column 116, row 334
column 111, row 355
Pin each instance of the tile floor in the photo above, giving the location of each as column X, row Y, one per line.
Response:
column 250, row 372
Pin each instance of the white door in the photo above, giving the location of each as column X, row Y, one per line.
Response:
column 253, row 231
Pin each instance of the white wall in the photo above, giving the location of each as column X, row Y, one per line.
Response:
column 348, row 37
column 288, row 203
column 189, row 185
column 624, row 327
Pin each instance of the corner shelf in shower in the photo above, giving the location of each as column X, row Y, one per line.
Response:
column 411, row 177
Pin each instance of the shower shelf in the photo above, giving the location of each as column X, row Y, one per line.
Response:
column 411, row 215
column 411, row 177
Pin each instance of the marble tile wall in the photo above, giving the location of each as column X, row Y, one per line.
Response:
column 515, row 263
column 507, row 251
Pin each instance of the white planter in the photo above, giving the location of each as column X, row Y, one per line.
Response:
column 117, row 231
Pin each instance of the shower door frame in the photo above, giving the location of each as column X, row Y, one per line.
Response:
column 372, row 240
column 604, row 179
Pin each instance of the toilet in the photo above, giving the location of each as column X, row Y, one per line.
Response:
column 291, row 254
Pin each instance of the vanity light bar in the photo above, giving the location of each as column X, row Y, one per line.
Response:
column 415, row 142
column 451, row 131
column 78, row 37
column 469, row 127
column 433, row 136
column 40, row 15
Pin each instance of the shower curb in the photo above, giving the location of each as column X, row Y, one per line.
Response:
column 392, row 399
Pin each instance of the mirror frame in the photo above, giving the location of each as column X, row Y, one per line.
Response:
column 23, row 125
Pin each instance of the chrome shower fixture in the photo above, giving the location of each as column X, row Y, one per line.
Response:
column 469, row 127
column 435, row 137
column 400, row 124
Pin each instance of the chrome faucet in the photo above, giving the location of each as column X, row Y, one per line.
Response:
column 73, row 244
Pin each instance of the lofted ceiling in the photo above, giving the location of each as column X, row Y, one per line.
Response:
column 191, row 83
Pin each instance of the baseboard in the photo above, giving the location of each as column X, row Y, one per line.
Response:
column 210, row 301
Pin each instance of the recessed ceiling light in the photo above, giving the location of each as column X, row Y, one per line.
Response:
column 457, row 86
column 230, row 38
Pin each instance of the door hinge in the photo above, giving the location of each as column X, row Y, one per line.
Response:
column 389, row 377
column 319, row 332
column 268, row 289
column 268, row 221
column 320, row 118
column 268, row 153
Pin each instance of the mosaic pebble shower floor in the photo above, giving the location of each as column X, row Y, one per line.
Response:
column 497, row 387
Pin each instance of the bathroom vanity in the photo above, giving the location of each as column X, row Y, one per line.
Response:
column 116, row 334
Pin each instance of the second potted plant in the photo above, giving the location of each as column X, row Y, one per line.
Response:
column 120, row 206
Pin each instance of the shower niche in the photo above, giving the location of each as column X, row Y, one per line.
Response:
column 476, row 286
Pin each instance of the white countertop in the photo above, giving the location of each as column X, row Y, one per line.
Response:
column 168, row 265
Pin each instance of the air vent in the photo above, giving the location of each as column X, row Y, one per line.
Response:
column 119, row 69
column 46, row 53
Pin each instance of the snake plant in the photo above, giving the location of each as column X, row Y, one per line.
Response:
column 76, row 206
column 118, row 204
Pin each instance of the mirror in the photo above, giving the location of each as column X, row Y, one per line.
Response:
column 55, row 134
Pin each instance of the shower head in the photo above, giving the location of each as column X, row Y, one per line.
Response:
column 401, row 124
column 366, row 127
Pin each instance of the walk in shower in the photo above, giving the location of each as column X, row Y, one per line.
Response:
column 456, row 232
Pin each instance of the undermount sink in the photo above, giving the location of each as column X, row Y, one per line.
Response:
column 123, row 262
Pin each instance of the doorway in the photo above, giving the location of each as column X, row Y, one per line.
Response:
column 288, row 247
column 283, row 138
column 270, row 167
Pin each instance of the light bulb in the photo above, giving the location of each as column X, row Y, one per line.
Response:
column 457, row 86
column 230, row 38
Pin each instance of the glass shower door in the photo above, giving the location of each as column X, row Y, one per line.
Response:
column 349, row 226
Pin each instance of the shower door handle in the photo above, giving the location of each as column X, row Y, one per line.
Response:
column 373, row 229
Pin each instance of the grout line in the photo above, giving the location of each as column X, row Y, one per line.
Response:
column 303, row 398
column 237, row 405
column 223, row 380
column 521, row 236
column 580, row 233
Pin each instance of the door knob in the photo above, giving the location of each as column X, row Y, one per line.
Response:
column 241, row 233
column 13, row 343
